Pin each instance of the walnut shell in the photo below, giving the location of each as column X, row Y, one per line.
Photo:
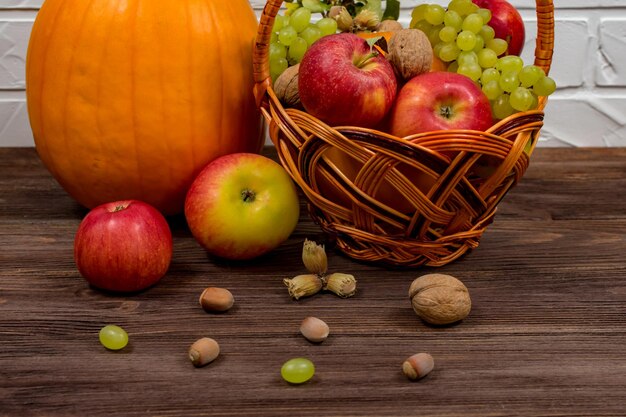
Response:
column 286, row 87
column 389, row 25
column 410, row 53
column 440, row 299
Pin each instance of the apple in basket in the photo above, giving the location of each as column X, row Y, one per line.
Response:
column 440, row 101
column 343, row 81
column 506, row 22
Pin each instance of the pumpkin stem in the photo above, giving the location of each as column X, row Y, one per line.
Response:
column 247, row 196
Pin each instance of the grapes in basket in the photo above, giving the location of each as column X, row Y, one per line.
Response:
column 430, row 62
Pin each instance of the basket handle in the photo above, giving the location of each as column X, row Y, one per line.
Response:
column 260, row 62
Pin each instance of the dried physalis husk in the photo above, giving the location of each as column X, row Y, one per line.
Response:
column 303, row 285
column 343, row 18
column 410, row 53
column 314, row 257
column 286, row 87
column 366, row 20
column 343, row 285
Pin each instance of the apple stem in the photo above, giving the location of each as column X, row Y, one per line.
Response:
column 120, row 207
column 247, row 196
column 363, row 61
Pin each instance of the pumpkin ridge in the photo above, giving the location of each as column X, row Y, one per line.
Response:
column 66, row 99
column 43, row 146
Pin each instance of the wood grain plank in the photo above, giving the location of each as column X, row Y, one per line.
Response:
column 545, row 337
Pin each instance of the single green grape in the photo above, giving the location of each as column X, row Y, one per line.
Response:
column 466, row 40
column 485, row 14
column 508, row 81
column 462, row 7
column 277, row 50
column 487, row 33
column 311, row 34
column 489, row 74
column 113, row 337
column 297, row 49
column 422, row 25
column 453, row 19
column 300, row 19
column 433, row 35
column 501, row 107
column 472, row 71
column 467, row 58
column 480, row 44
column 287, row 35
column 418, row 12
column 521, row 99
column 437, row 48
column 473, row 23
column 530, row 74
column 277, row 66
column 280, row 22
column 327, row 26
column 449, row 52
column 447, row 34
column 499, row 46
column 544, row 87
column 510, row 63
column 491, row 89
column 434, row 14
column 487, row 58
column 297, row 370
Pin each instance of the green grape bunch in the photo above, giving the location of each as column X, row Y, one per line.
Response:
column 461, row 37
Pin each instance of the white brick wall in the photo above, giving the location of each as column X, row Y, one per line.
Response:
column 589, row 65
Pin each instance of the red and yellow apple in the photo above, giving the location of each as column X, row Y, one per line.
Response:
column 343, row 81
column 241, row 206
column 439, row 101
column 123, row 246
column 506, row 22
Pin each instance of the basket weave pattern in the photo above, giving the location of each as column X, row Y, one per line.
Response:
column 421, row 200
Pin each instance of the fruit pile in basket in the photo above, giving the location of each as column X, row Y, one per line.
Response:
column 455, row 67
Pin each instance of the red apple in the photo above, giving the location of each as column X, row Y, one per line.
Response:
column 440, row 101
column 241, row 206
column 506, row 22
column 123, row 246
column 343, row 81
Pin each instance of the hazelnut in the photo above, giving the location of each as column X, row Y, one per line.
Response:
column 204, row 351
column 314, row 329
column 418, row 366
column 215, row 299
column 440, row 299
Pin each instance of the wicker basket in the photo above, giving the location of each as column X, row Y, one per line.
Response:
column 401, row 201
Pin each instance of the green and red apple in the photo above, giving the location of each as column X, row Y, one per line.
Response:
column 241, row 206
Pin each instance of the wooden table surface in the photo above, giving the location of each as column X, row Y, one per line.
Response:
column 546, row 335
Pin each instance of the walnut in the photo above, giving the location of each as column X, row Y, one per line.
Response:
column 389, row 25
column 286, row 87
column 440, row 299
column 410, row 53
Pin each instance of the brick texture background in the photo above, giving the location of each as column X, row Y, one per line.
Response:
column 589, row 65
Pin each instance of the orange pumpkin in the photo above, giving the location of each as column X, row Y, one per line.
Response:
column 131, row 99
